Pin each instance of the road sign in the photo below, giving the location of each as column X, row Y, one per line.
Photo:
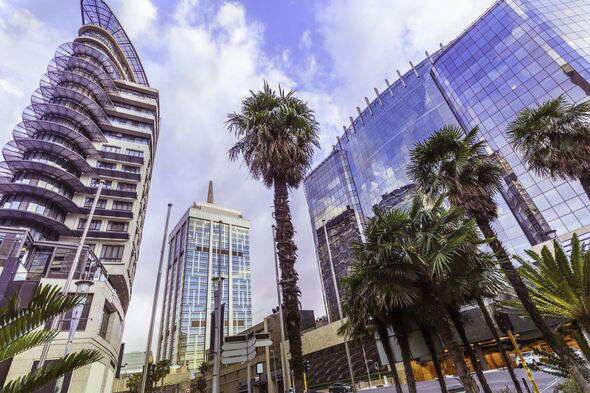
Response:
column 238, row 359
column 242, row 348
column 235, row 352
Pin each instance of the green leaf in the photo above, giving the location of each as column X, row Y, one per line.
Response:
column 51, row 372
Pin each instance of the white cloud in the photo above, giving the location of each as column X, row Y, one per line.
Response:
column 368, row 40
column 203, row 72
column 306, row 41
column 24, row 40
column 137, row 16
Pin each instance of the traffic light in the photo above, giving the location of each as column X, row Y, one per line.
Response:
column 306, row 366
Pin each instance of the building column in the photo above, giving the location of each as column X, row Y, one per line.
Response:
column 230, row 286
column 272, row 388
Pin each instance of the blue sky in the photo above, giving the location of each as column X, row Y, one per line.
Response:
column 205, row 56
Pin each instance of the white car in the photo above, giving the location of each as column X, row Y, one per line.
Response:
column 529, row 357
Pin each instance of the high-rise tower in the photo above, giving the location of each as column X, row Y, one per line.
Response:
column 193, row 260
column 94, row 117
column 518, row 54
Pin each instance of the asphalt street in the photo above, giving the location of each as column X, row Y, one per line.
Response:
column 497, row 379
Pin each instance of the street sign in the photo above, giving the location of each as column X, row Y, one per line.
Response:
column 238, row 359
column 235, row 352
column 242, row 348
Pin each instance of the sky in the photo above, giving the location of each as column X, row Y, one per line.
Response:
column 205, row 56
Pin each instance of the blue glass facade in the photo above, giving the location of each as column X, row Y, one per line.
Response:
column 518, row 54
column 199, row 245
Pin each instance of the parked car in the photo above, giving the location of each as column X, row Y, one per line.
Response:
column 339, row 388
column 529, row 357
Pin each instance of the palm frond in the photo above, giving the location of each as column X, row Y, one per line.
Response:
column 51, row 372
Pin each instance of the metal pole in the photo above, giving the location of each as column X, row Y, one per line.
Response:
column 218, row 327
column 366, row 364
column 339, row 306
column 249, row 376
column 274, row 369
column 155, row 304
column 82, row 287
column 73, row 268
column 523, row 362
column 284, row 364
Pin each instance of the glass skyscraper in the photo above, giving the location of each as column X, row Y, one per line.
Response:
column 94, row 117
column 518, row 54
column 206, row 236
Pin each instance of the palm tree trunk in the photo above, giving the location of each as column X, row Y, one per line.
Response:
column 527, row 303
column 460, row 328
column 286, row 251
column 384, row 338
column 427, row 335
column 487, row 317
column 441, row 323
column 585, row 181
column 404, row 346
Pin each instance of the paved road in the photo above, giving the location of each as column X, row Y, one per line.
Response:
column 497, row 379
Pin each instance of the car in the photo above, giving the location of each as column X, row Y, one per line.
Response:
column 339, row 388
column 529, row 357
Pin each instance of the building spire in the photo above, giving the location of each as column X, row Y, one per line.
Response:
column 210, row 192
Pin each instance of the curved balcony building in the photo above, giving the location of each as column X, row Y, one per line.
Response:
column 94, row 117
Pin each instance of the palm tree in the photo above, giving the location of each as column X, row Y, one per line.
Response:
column 559, row 285
column 426, row 329
column 454, row 164
column 364, row 316
column 423, row 253
column 19, row 332
column 133, row 383
column 554, row 139
column 277, row 134
column 455, row 315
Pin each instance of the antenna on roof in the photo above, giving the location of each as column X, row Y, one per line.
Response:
column 210, row 192
column 400, row 77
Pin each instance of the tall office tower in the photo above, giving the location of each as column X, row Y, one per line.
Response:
column 195, row 254
column 94, row 117
column 518, row 54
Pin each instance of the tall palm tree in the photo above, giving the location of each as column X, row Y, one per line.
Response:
column 19, row 332
column 426, row 329
column 455, row 315
column 363, row 320
column 277, row 134
column 421, row 251
column 554, row 139
column 455, row 164
column 560, row 285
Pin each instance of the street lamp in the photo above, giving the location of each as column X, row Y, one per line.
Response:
column 73, row 269
column 155, row 304
column 339, row 306
column 218, row 319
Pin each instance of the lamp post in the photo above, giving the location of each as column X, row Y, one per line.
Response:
column 154, row 304
column 339, row 305
column 73, row 268
column 218, row 319
column 284, row 364
column 366, row 364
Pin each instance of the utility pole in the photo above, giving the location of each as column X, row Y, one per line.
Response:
column 154, row 305
column 73, row 268
column 339, row 306
column 218, row 318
